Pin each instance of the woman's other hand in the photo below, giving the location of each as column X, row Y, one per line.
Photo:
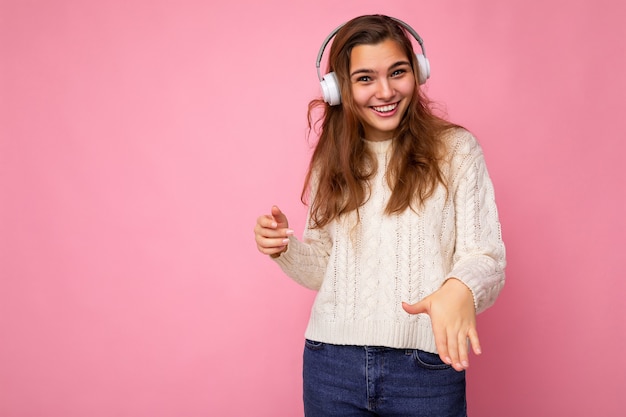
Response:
column 272, row 233
column 453, row 317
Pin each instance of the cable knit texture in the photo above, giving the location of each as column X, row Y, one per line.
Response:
column 364, row 270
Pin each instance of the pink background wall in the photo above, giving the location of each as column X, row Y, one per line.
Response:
column 139, row 140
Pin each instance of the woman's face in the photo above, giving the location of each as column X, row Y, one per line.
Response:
column 382, row 87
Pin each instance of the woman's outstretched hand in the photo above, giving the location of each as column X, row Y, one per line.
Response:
column 272, row 233
column 453, row 317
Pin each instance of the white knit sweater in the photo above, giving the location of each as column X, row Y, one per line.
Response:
column 364, row 271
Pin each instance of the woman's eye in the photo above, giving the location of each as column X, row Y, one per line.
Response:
column 398, row 72
column 364, row 79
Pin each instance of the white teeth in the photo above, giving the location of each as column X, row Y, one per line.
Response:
column 385, row 109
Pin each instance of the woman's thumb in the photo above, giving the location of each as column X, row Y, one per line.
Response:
column 416, row 308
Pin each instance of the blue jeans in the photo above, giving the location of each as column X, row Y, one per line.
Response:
column 350, row 381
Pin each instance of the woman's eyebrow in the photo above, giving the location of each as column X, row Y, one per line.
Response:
column 361, row 71
column 400, row 64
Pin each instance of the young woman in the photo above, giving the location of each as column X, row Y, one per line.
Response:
column 402, row 242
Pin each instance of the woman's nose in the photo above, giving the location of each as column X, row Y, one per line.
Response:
column 384, row 90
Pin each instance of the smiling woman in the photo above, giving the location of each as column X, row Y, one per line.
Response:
column 402, row 241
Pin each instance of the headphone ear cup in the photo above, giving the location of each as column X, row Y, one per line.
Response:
column 424, row 68
column 330, row 89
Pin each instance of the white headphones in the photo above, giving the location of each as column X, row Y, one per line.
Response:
column 330, row 86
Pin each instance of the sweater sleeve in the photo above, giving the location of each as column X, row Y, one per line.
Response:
column 306, row 261
column 479, row 255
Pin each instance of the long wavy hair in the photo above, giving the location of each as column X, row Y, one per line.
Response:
column 341, row 165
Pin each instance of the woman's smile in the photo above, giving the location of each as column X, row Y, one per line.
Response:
column 385, row 110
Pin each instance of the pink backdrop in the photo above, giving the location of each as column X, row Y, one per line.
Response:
column 139, row 140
